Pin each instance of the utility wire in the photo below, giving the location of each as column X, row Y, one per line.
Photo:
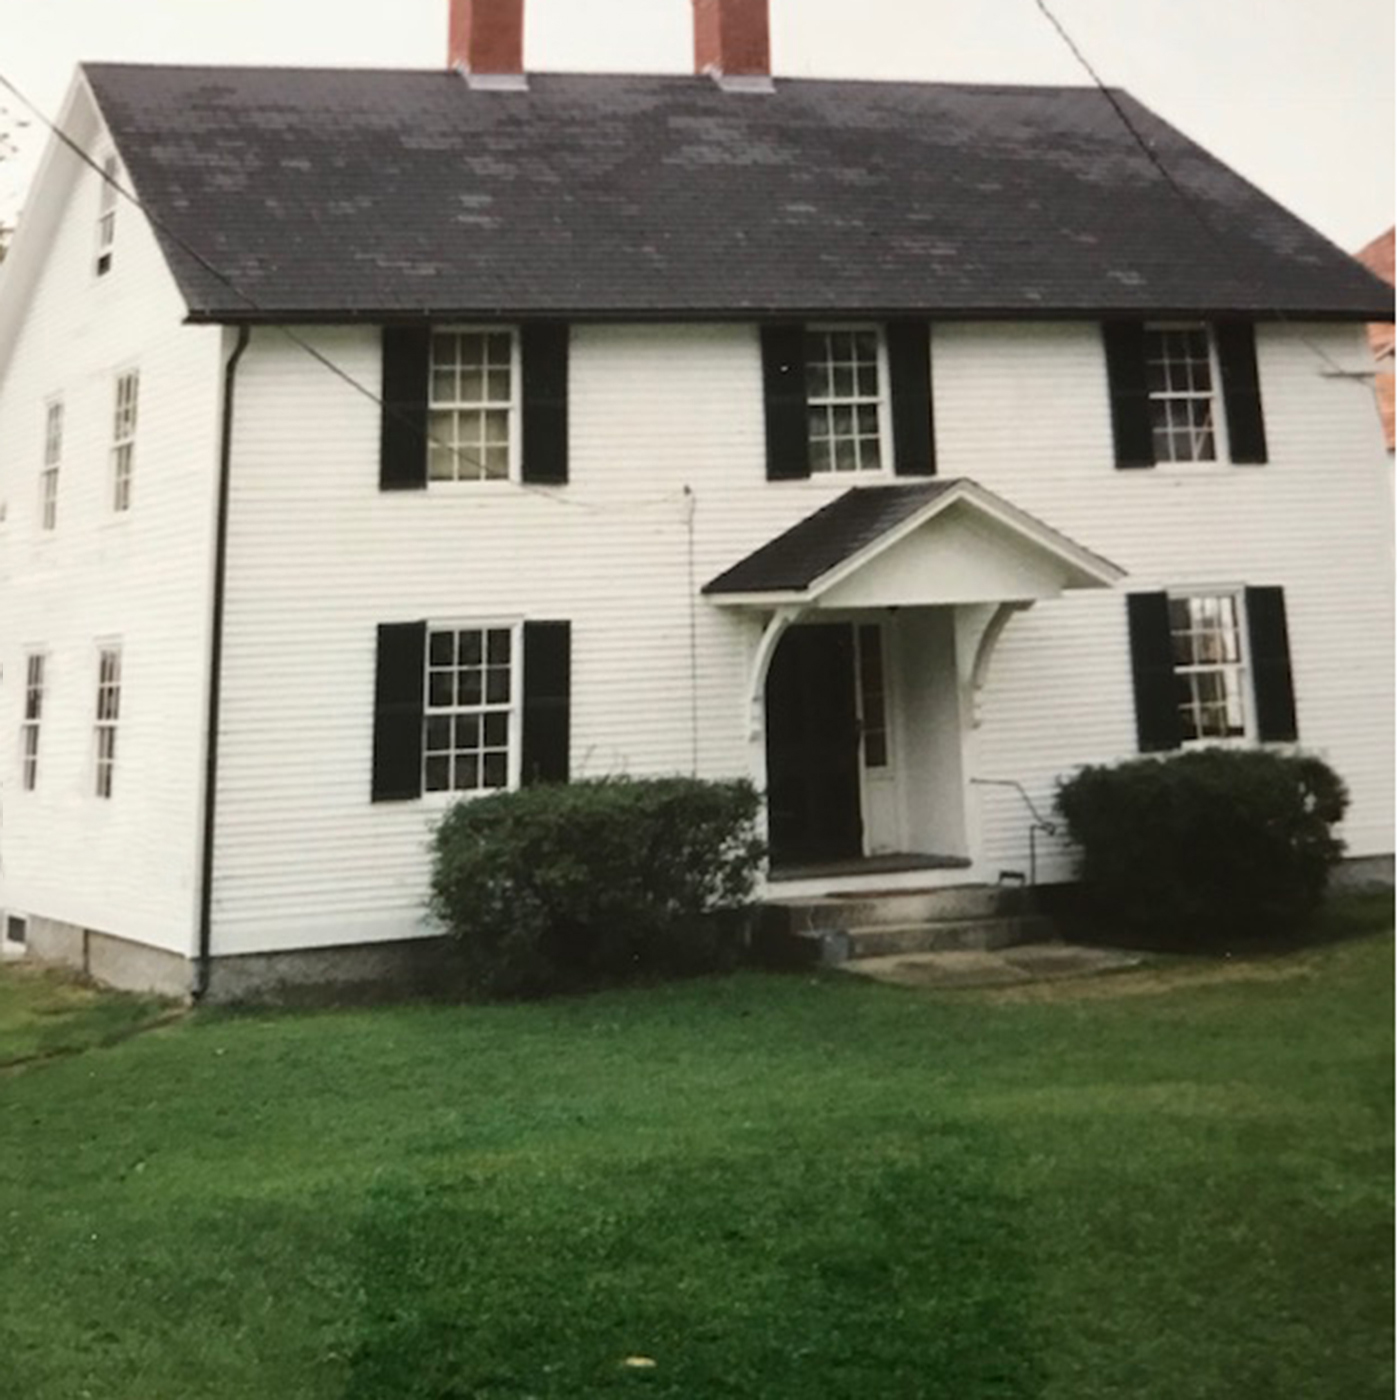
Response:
column 251, row 302
column 457, row 453
column 1190, row 202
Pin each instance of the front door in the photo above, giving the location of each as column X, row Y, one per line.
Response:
column 813, row 747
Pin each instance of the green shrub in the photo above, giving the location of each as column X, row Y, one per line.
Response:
column 1205, row 850
column 560, row 886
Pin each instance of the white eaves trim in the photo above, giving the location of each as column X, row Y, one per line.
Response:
column 50, row 191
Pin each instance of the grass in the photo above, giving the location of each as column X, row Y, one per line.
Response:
column 1177, row 1186
column 44, row 1013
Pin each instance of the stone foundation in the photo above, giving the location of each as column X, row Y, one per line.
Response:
column 363, row 973
column 136, row 967
column 115, row 962
column 52, row 941
column 1364, row 872
column 360, row 973
column 348, row 973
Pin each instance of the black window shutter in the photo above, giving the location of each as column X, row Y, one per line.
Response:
column 911, row 397
column 403, row 433
column 1154, row 676
column 544, row 371
column 1125, row 349
column 398, row 712
column 544, row 755
column 1273, row 672
column 1244, row 411
column 785, row 401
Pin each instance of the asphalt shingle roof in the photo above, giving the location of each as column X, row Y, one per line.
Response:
column 344, row 194
column 796, row 559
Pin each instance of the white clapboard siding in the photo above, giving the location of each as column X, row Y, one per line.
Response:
column 319, row 556
column 127, row 865
column 1024, row 409
column 666, row 421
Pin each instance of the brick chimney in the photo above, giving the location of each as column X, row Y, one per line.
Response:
column 487, row 37
column 731, row 38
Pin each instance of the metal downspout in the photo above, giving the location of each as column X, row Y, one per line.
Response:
column 216, row 662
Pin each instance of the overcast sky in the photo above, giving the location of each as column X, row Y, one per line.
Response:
column 1297, row 95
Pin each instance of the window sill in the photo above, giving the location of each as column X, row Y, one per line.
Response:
column 440, row 801
column 494, row 483
column 1244, row 741
column 1178, row 469
column 823, row 480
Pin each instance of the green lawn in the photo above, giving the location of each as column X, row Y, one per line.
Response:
column 1162, row 1185
column 43, row 1014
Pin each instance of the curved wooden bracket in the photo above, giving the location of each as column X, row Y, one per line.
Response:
column 986, row 645
column 778, row 623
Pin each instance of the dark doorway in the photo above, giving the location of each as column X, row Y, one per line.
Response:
column 813, row 747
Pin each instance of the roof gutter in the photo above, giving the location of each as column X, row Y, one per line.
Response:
column 700, row 315
column 202, row 965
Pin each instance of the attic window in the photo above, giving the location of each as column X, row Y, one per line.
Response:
column 107, row 216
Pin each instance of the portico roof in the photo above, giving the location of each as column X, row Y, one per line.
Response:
column 928, row 542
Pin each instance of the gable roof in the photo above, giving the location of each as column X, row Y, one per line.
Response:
column 845, row 533
column 347, row 194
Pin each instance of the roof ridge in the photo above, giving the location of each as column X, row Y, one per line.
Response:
column 678, row 76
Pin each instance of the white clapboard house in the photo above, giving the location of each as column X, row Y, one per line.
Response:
column 418, row 434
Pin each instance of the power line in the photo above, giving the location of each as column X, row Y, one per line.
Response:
column 252, row 303
column 457, row 453
column 1159, row 165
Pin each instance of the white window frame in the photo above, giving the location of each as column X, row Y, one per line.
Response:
column 52, row 463
column 1243, row 668
column 107, row 718
column 106, row 216
column 124, row 426
column 36, row 665
column 1219, row 432
column 884, row 419
column 512, row 708
column 511, row 407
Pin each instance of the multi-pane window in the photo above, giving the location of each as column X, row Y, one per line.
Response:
column 107, row 216
column 467, row 720
column 124, row 439
column 844, row 407
column 873, row 724
column 109, row 698
column 33, row 715
column 471, row 405
column 1181, row 393
column 1208, row 656
column 53, row 456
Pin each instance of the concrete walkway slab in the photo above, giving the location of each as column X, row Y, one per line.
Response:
column 1026, row 962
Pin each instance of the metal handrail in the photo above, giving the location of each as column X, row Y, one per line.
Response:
column 1038, row 822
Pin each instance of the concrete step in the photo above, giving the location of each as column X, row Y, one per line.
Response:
column 904, row 907
column 947, row 935
column 1035, row 962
